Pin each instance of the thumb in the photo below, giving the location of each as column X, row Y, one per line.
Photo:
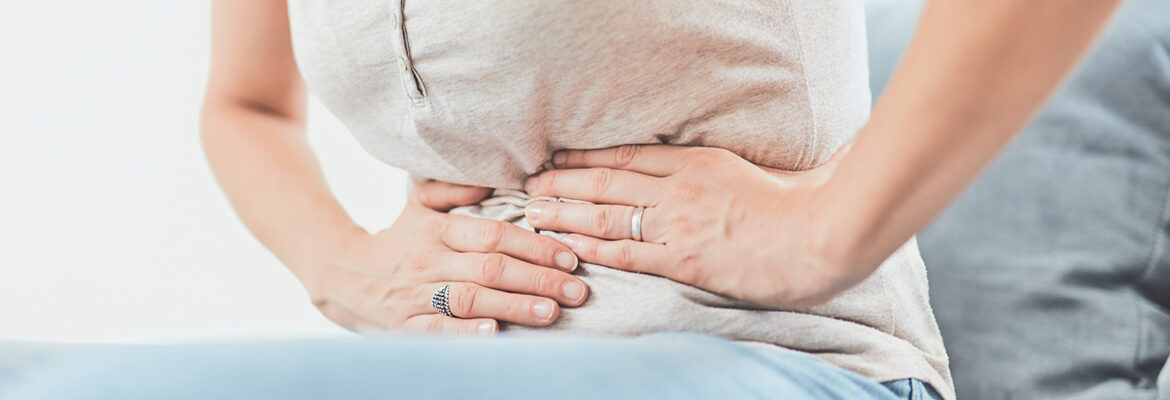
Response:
column 443, row 196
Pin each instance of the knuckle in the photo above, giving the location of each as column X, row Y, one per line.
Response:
column 547, row 181
column 545, row 251
column 403, row 302
column 599, row 180
column 419, row 261
column 491, row 269
column 434, row 325
column 687, row 192
column 516, row 309
column 536, row 251
column 552, row 212
column 464, row 297
column 588, row 249
column 440, row 227
column 624, row 155
column 623, row 255
column 491, row 234
column 688, row 227
column 601, row 220
column 423, row 196
column 683, row 224
column 541, row 283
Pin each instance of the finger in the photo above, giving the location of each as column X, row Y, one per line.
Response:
column 599, row 221
column 654, row 160
column 628, row 255
column 436, row 323
column 599, row 185
column 443, row 196
column 501, row 272
column 470, row 300
column 467, row 234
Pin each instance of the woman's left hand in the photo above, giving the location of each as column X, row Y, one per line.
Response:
column 712, row 220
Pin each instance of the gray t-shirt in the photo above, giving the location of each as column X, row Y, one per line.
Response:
column 483, row 93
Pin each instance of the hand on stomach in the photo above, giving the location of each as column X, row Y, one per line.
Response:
column 497, row 272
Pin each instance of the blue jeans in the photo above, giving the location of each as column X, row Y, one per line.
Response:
column 664, row 365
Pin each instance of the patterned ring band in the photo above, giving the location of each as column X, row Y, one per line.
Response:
column 439, row 301
column 636, row 223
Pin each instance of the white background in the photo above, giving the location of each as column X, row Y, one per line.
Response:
column 112, row 228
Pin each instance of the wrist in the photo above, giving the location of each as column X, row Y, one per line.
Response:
column 334, row 250
column 837, row 243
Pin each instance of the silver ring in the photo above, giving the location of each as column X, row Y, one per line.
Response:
column 636, row 223
column 439, row 301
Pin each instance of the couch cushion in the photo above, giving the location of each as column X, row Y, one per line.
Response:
column 1050, row 276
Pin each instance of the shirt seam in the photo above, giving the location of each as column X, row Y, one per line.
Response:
column 813, row 142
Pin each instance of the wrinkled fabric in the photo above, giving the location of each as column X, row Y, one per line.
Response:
column 483, row 93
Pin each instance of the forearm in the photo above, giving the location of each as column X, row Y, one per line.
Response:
column 273, row 181
column 972, row 77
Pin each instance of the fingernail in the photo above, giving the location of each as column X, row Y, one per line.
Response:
column 571, row 241
column 573, row 290
column 566, row 260
column 542, row 309
column 530, row 184
column 533, row 211
column 487, row 328
column 559, row 158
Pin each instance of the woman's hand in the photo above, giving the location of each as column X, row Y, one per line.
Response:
column 498, row 271
column 712, row 220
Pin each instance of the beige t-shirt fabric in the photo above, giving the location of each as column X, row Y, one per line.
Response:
column 483, row 92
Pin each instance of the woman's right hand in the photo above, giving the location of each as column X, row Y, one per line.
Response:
column 497, row 271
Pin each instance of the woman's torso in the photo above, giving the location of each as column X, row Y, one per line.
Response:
column 482, row 93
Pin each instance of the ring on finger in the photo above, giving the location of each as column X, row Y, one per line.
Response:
column 636, row 223
column 439, row 300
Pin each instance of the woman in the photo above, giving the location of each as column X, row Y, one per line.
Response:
column 804, row 284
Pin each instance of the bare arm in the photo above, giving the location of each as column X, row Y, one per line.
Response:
column 254, row 136
column 253, row 133
column 974, row 74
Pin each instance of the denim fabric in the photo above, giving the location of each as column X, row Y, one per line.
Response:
column 1050, row 276
column 665, row 365
column 912, row 389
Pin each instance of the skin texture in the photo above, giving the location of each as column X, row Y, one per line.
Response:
column 723, row 235
column 253, row 134
column 973, row 75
